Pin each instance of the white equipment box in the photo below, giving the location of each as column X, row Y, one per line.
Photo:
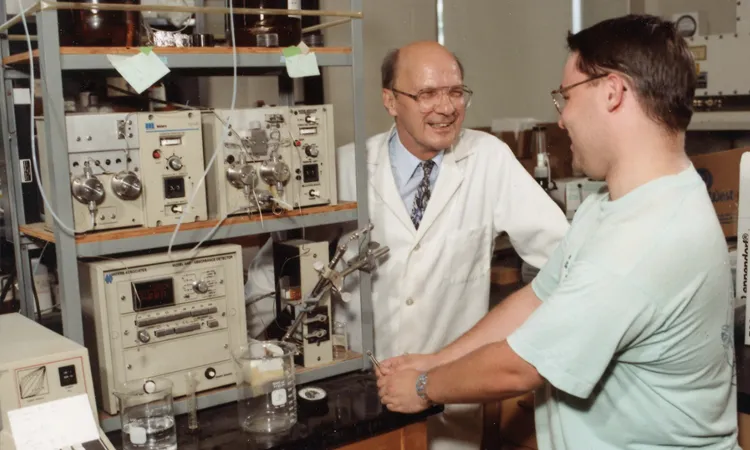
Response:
column 38, row 366
column 156, row 316
column 270, row 158
column 743, row 240
column 172, row 160
column 104, row 164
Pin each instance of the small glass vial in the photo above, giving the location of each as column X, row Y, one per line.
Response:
column 340, row 341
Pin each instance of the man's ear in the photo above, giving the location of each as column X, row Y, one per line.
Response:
column 615, row 91
column 389, row 101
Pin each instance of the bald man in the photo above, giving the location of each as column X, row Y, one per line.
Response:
column 439, row 195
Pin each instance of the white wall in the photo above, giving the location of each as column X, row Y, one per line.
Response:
column 513, row 52
column 387, row 24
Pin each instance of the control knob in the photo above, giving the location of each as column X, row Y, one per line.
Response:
column 312, row 151
column 126, row 185
column 314, row 193
column 201, row 287
column 174, row 162
column 143, row 336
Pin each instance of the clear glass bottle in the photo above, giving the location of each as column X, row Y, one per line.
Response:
column 265, row 30
column 96, row 28
column 340, row 341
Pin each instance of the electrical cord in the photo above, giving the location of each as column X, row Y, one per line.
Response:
column 70, row 231
column 226, row 130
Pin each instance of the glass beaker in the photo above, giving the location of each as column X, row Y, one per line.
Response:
column 147, row 414
column 98, row 28
column 266, row 388
column 265, row 30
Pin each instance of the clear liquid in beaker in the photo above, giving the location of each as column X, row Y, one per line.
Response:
column 152, row 433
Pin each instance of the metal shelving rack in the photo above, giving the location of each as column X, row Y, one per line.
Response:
column 52, row 62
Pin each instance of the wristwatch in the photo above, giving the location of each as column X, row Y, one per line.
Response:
column 422, row 387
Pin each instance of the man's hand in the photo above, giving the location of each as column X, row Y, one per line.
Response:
column 398, row 392
column 421, row 363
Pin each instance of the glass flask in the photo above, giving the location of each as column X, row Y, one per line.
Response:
column 96, row 28
column 147, row 415
column 264, row 30
column 266, row 388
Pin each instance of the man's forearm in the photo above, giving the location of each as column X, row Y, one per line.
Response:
column 492, row 372
column 497, row 325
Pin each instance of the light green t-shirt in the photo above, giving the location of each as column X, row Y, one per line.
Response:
column 635, row 331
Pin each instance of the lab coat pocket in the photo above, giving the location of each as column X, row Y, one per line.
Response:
column 468, row 254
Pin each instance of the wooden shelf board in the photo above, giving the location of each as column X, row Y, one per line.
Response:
column 38, row 230
column 24, row 57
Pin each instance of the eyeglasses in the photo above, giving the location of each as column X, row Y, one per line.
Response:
column 558, row 95
column 428, row 99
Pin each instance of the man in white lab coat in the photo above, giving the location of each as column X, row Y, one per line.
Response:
column 626, row 333
column 438, row 197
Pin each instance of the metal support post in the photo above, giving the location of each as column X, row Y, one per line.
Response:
column 58, row 191
column 12, row 201
column 360, row 162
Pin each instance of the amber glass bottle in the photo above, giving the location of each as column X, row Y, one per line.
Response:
column 96, row 28
column 254, row 30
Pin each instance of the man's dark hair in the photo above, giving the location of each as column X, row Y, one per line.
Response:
column 390, row 65
column 650, row 52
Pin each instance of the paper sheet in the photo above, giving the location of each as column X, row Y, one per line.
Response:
column 302, row 65
column 141, row 70
column 55, row 424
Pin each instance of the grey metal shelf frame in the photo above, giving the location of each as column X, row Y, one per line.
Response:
column 51, row 64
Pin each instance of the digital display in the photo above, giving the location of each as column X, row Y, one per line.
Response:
column 168, row 141
column 152, row 294
column 310, row 173
column 174, row 187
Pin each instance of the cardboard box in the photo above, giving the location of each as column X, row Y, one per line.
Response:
column 721, row 172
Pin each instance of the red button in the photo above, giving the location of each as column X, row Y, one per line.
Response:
column 297, row 143
column 156, row 154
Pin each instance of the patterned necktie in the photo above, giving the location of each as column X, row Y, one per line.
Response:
column 423, row 194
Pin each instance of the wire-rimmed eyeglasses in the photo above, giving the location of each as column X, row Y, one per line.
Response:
column 558, row 95
column 429, row 98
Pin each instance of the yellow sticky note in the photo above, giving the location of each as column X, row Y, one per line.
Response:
column 303, row 65
column 141, row 70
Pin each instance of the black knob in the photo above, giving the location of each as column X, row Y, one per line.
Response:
column 230, row 159
column 210, row 373
column 107, row 162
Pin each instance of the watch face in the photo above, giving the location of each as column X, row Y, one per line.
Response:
column 686, row 26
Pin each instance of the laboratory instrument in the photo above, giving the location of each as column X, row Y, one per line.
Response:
column 295, row 277
column 172, row 166
column 161, row 316
column 542, row 172
column 38, row 366
column 147, row 414
column 269, row 159
column 97, row 28
column 105, row 170
column 722, row 95
column 266, row 386
column 266, row 30
column 331, row 281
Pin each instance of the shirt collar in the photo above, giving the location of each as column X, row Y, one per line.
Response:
column 404, row 162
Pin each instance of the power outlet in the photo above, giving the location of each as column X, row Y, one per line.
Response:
column 26, row 173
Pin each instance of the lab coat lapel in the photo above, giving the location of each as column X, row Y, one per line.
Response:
column 385, row 185
column 448, row 181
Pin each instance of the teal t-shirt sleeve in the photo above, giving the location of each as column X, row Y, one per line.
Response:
column 546, row 280
column 573, row 336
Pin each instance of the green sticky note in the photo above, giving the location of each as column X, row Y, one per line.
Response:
column 146, row 50
column 291, row 51
column 299, row 66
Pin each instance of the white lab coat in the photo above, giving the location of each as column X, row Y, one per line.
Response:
column 434, row 284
